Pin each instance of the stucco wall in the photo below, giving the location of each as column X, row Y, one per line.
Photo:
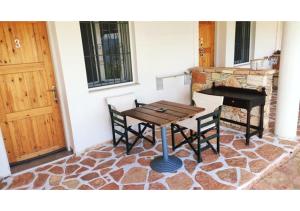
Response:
column 265, row 39
column 161, row 48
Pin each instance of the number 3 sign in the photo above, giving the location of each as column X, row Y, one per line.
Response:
column 18, row 44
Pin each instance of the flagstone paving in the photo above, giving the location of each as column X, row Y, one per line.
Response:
column 237, row 167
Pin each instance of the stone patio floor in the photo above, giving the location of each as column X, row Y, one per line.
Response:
column 256, row 166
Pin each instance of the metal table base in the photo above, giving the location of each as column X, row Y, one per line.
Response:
column 165, row 163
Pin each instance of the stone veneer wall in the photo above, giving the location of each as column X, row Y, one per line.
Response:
column 202, row 78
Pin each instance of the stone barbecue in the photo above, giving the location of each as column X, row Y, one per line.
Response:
column 202, row 78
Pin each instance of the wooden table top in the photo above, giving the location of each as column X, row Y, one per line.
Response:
column 174, row 112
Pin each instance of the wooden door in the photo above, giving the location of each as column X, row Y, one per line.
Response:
column 206, row 43
column 29, row 115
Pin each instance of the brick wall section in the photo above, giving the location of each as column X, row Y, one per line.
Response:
column 202, row 78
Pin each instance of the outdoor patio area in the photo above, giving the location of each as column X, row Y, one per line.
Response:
column 238, row 166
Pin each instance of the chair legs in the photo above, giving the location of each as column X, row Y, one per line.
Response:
column 172, row 136
column 199, row 158
column 153, row 135
column 139, row 134
column 193, row 136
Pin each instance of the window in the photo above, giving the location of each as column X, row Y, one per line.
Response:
column 242, row 42
column 106, row 48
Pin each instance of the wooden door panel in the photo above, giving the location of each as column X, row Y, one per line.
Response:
column 206, row 43
column 30, row 116
column 31, row 136
column 24, row 91
column 21, row 43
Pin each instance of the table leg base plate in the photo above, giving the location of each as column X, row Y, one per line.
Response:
column 170, row 165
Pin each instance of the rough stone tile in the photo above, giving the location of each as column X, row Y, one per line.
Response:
column 82, row 169
column 110, row 186
column 90, row 176
column 269, row 152
column 117, row 174
column 97, row 154
column 126, row 160
column 144, row 161
column 71, row 184
column 107, row 149
column 22, row 180
column 241, row 144
column 88, row 162
column 228, row 152
column 149, row 153
column 208, row 183
column 54, row 180
column 157, row 186
column 190, row 165
column 212, row 166
column 105, row 164
column 71, row 169
column 85, row 187
column 73, row 159
column 180, row 181
column 250, row 154
column 43, row 168
column 228, row 175
column 237, row 162
column 40, row 180
column 105, row 171
column 58, row 188
column 119, row 150
column 97, row 183
column 135, row 175
column 182, row 153
column 257, row 166
column 56, row 170
column 136, row 150
column 133, row 187
column 208, row 156
column 2, row 185
column 245, row 176
column 226, row 139
column 153, row 176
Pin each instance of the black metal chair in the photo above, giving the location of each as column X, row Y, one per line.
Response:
column 200, row 125
column 122, row 125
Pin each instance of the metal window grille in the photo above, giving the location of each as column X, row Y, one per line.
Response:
column 106, row 48
column 242, row 42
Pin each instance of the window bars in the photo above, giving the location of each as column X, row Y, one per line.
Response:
column 107, row 52
column 242, row 42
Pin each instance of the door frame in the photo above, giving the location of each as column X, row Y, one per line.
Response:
column 60, row 86
column 63, row 105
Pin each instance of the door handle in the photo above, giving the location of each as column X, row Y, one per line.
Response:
column 54, row 92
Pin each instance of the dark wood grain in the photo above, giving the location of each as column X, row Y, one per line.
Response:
column 175, row 112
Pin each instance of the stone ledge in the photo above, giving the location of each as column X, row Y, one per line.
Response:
column 235, row 71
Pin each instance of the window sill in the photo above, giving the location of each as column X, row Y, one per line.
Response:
column 113, row 86
column 241, row 64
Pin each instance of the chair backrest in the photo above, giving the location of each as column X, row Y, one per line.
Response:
column 122, row 102
column 209, row 102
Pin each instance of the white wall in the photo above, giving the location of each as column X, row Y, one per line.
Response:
column 266, row 34
column 162, row 48
column 224, row 47
column 220, row 43
column 265, row 39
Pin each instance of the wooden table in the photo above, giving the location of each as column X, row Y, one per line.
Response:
column 173, row 112
column 242, row 98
